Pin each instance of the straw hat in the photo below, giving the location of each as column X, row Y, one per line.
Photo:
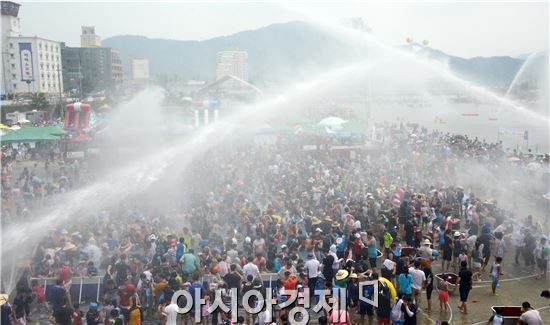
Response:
column 328, row 218
column 69, row 246
column 457, row 234
column 3, row 299
column 426, row 242
column 335, row 224
column 315, row 221
column 341, row 274
column 353, row 276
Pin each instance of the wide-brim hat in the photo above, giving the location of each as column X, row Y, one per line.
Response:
column 315, row 221
column 335, row 224
column 426, row 242
column 353, row 276
column 69, row 246
column 3, row 299
column 328, row 218
column 457, row 234
column 341, row 274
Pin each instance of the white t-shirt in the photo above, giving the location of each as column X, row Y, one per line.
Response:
column 264, row 317
column 171, row 312
column 389, row 264
column 531, row 317
column 418, row 278
column 251, row 268
column 312, row 266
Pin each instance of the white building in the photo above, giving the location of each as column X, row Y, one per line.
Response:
column 29, row 64
column 88, row 38
column 232, row 62
column 33, row 65
column 140, row 69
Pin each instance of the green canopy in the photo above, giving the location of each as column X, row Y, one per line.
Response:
column 33, row 134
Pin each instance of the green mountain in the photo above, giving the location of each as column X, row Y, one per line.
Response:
column 291, row 49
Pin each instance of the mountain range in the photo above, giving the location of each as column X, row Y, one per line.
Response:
column 278, row 51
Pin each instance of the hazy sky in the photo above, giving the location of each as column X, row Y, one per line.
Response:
column 460, row 28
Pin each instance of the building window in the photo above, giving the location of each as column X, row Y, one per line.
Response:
column 11, row 55
column 11, row 45
column 15, row 86
column 13, row 75
column 42, row 85
column 13, row 66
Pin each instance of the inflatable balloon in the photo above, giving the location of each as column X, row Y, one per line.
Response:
column 388, row 283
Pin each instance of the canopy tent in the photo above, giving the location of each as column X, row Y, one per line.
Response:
column 33, row 134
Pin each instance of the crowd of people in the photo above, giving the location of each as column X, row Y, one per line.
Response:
column 302, row 219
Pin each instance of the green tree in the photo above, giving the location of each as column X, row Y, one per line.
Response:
column 39, row 101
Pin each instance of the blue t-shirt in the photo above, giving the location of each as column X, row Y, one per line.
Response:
column 405, row 283
column 342, row 246
column 192, row 288
column 57, row 296
column 180, row 250
column 373, row 253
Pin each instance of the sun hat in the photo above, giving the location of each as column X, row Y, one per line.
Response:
column 426, row 242
column 341, row 274
column 457, row 234
column 3, row 299
column 315, row 221
column 353, row 276
column 335, row 224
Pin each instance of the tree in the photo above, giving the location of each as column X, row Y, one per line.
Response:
column 39, row 101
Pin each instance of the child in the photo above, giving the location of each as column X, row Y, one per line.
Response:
column 443, row 293
column 462, row 257
column 497, row 318
column 496, row 272
column 77, row 314
column 40, row 295
column 114, row 317
column 204, row 311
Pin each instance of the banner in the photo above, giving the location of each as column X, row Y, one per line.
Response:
column 25, row 57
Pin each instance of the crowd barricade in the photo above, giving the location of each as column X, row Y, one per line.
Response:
column 83, row 289
column 86, row 289
column 269, row 280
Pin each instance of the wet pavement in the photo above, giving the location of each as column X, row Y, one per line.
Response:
column 518, row 284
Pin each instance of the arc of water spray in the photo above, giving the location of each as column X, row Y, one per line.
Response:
column 353, row 36
column 21, row 239
column 525, row 64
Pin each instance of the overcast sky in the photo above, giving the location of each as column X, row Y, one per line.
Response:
column 466, row 29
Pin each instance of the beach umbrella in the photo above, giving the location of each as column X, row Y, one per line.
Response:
column 514, row 159
column 332, row 122
column 15, row 127
column 23, row 121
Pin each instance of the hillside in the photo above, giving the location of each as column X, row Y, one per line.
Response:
column 291, row 49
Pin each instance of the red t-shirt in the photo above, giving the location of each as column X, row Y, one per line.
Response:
column 65, row 274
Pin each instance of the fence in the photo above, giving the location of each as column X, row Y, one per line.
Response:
column 87, row 289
